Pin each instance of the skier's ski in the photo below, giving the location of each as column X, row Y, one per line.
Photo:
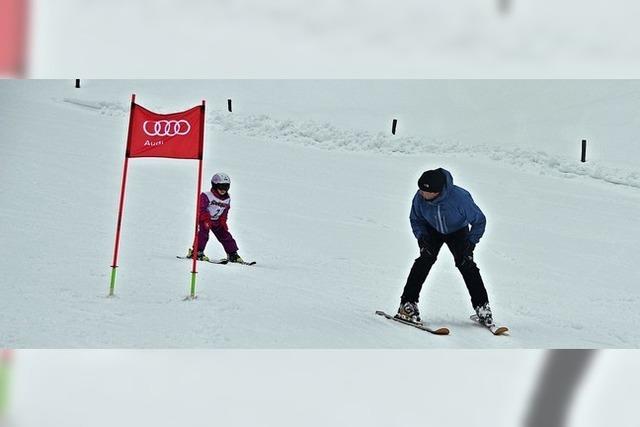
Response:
column 220, row 261
column 241, row 263
column 212, row 261
column 495, row 330
column 226, row 261
column 421, row 326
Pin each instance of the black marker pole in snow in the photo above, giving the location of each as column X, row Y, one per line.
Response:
column 77, row 83
column 584, row 151
column 393, row 126
column 229, row 105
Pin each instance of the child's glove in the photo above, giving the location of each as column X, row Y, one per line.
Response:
column 223, row 223
column 205, row 220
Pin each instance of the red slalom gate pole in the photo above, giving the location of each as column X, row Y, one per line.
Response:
column 194, row 253
column 114, row 265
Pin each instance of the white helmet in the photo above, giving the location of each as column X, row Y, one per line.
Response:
column 221, row 180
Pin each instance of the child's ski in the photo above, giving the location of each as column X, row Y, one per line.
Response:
column 220, row 261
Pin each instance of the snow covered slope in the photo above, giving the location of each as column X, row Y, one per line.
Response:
column 321, row 194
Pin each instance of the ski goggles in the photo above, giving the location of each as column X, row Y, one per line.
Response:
column 224, row 187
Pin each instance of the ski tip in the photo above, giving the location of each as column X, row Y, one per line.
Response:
column 441, row 331
column 502, row 330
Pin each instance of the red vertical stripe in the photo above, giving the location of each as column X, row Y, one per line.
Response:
column 13, row 32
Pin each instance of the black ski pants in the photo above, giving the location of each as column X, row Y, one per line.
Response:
column 462, row 252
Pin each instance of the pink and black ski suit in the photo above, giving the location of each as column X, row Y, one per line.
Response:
column 213, row 210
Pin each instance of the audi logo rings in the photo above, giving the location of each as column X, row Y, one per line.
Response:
column 166, row 127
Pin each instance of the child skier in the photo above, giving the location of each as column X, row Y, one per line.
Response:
column 442, row 213
column 213, row 209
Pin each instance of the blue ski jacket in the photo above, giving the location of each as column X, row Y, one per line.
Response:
column 453, row 209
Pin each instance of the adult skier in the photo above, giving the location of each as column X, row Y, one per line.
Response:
column 213, row 210
column 445, row 213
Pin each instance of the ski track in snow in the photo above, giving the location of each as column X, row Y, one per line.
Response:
column 326, row 136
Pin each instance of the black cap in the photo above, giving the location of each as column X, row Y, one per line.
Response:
column 432, row 181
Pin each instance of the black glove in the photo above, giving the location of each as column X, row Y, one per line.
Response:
column 467, row 252
column 469, row 248
column 425, row 247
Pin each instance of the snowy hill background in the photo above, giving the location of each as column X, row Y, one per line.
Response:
column 321, row 193
column 334, row 39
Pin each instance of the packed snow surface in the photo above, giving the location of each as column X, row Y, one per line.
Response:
column 321, row 193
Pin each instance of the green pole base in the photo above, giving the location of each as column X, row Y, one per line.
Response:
column 4, row 383
column 193, row 285
column 112, row 287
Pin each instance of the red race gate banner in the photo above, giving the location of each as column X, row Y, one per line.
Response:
column 13, row 31
column 175, row 135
